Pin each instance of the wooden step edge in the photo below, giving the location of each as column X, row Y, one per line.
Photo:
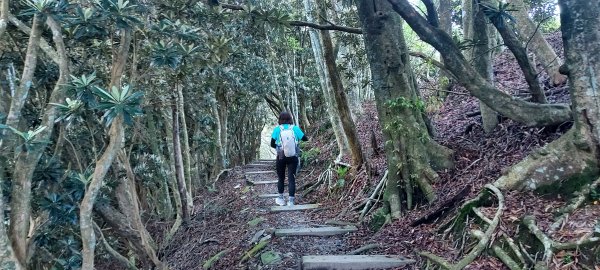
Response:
column 353, row 262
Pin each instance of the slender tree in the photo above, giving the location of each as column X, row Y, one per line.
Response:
column 531, row 35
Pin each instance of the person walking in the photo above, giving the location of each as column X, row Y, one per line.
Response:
column 285, row 139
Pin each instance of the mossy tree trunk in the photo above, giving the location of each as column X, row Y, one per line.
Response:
column 339, row 94
column 409, row 148
column 326, row 84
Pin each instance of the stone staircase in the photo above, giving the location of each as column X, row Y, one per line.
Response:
column 321, row 262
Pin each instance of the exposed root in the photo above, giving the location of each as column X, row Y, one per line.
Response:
column 567, row 157
column 115, row 254
column 325, row 176
column 484, row 238
column 443, row 209
column 506, row 259
column 550, row 246
column 223, row 173
column 576, row 203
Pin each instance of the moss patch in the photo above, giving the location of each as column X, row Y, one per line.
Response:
column 568, row 186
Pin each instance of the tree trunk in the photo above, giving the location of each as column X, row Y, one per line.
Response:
column 116, row 135
column 532, row 35
column 27, row 160
column 575, row 154
column 187, row 160
column 514, row 45
column 181, row 185
column 302, row 102
column 173, row 179
column 476, row 30
column 339, row 94
column 131, row 208
column 3, row 16
column 165, row 205
column 326, row 83
column 528, row 113
column 88, row 238
column 445, row 15
column 22, row 91
column 410, row 152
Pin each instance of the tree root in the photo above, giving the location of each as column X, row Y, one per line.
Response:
column 484, row 238
column 115, row 254
column 567, row 157
column 325, row 176
column 576, row 203
column 550, row 246
column 505, row 258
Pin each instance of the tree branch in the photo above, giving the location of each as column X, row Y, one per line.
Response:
column 434, row 62
column 528, row 113
column 43, row 43
column 329, row 26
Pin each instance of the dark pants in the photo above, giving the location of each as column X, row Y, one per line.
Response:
column 292, row 164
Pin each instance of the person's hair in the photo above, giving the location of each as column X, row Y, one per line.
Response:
column 285, row 118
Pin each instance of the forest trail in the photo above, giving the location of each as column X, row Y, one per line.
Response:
column 289, row 239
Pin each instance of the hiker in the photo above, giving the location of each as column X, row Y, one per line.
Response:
column 285, row 139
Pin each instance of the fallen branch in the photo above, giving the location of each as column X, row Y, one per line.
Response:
column 363, row 249
column 484, row 238
column 208, row 264
column 262, row 244
column 443, row 208
column 374, row 195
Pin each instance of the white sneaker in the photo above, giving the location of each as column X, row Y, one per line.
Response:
column 290, row 201
column 280, row 201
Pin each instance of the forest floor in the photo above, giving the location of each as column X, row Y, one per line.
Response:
column 221, row 219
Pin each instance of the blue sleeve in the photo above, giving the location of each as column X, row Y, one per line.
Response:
column 275, row 134
column 298, row 132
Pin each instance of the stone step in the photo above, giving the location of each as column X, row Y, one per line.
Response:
column 259, row 165
column 275, row 195
column 318, row 231
column 254, row 183
column 259, row 172
column 353, row 262
column 266, row 160
column 297, row 207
